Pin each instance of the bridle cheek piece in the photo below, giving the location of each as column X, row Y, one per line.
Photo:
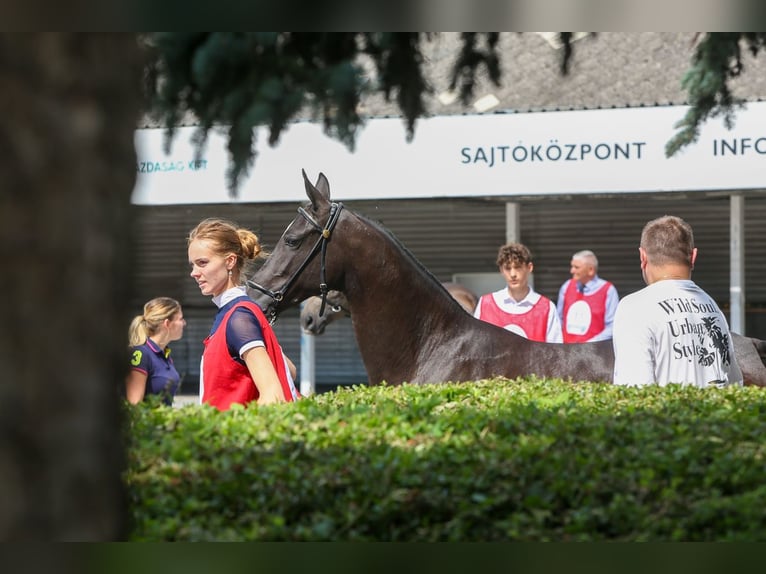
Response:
column 321, row 245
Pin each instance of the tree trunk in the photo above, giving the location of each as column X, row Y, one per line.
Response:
column 70, row 103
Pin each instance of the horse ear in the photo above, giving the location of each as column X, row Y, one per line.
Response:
column 323, row 186
column 319, row 193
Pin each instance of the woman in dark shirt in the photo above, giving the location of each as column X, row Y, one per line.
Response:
column 151, row 369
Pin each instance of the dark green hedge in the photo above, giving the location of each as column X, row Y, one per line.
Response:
column 488, row 461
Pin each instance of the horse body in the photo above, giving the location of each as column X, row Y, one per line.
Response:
column 409, row 328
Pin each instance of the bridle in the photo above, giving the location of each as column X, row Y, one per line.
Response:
column 321, row 245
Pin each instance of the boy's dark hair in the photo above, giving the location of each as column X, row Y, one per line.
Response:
column 513, row 253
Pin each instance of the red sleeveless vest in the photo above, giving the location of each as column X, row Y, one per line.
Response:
column 227, row 381
column 584, row 315
column 533, row 324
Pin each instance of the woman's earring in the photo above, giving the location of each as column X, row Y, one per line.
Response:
column 229, row 272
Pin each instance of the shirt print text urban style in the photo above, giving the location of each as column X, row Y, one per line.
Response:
column 700, row 320
column 673, row 332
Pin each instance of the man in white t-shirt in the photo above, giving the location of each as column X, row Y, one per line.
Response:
column 517, row 307
column 671, row 331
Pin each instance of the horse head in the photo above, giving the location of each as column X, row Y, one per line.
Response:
column 297, row 267
column 314, row 322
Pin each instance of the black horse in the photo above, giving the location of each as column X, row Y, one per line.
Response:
column 407, row 326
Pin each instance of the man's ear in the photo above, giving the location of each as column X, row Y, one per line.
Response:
column 694, row 257
column 642, row 257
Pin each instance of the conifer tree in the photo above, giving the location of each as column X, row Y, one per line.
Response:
column 238, row 81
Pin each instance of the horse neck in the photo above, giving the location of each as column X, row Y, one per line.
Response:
column 395, row 303
column 387, row 274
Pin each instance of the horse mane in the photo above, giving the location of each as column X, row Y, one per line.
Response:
column 407, row 253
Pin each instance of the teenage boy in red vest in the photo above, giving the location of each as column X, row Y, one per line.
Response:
column 517, row 307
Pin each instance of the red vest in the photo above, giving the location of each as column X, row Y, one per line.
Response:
column 587, row 318
column 227, row 381
column 533, row 324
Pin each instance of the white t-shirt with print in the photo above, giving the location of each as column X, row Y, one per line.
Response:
column 672, row 332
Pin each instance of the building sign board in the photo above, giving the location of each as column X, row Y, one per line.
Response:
column 610, row 151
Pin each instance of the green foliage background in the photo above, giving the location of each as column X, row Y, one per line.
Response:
column 495, row 460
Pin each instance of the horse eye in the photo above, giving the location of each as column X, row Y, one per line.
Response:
column 292, row 241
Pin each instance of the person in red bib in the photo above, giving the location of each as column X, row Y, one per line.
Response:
column 242, row 361
column 517, row 307
column 586, row 302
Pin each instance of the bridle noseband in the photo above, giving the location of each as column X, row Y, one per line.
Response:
column 324, row 237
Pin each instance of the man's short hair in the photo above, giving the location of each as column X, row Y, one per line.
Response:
column 668, row 240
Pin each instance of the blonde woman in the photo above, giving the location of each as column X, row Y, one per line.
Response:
column 151, row 368
column 242, row 361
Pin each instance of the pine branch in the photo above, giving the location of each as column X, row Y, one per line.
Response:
column 717, row 60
